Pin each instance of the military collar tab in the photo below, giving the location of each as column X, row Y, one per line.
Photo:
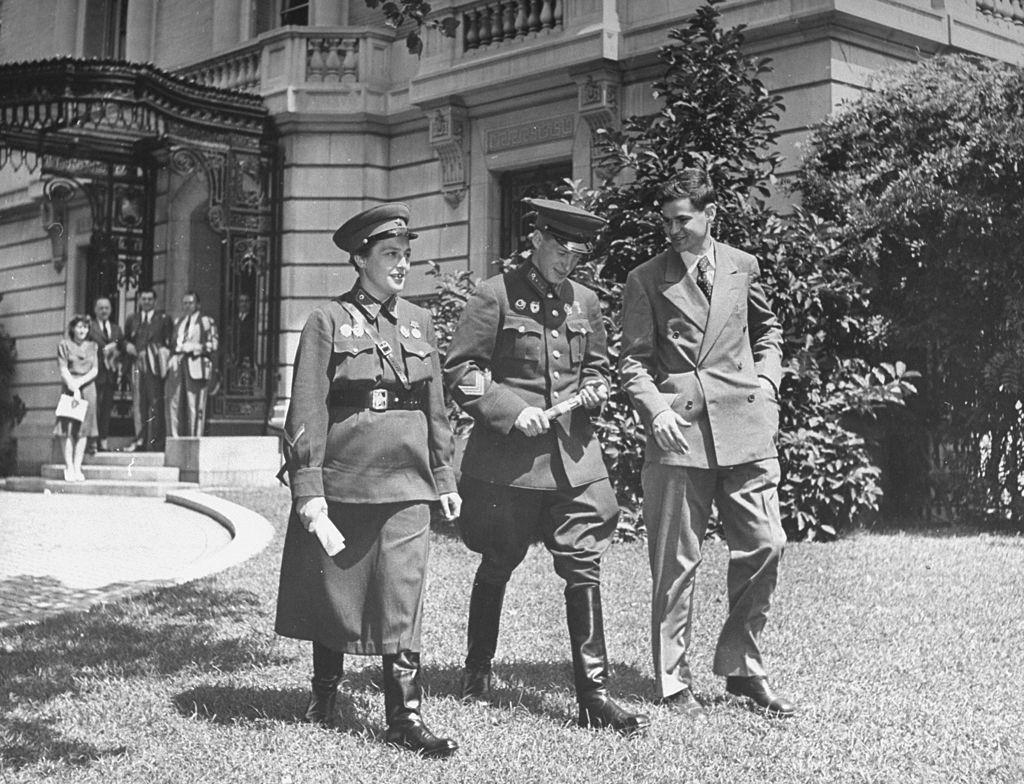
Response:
column 538, row 281
column 371, row 306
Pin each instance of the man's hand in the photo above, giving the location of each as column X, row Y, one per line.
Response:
column 532, row 421
column 668, row 429
column 130, row 348
column 451, row 505
column 593, row 395
column 308, row 509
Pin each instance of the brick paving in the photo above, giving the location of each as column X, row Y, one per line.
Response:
column 65, row 553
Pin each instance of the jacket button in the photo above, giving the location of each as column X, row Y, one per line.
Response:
column 675, row 336
column 689, row 404
column 750, row 398
column 554, row 333
column 522, row 329
column 554, row 394
column 556, row 375
column 556, row 353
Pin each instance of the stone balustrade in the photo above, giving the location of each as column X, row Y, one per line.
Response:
column 485, row 24
column 237, row 70
column 332, row 59
column 1006, row 10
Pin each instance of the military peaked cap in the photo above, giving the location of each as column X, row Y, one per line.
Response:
column 572, row 227
column 377, row 223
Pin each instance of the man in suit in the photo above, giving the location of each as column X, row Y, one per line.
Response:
column 245, row 332
column 528, row 340
column 701, row 360
column 193, row 344
column 148, row 333
column 108, row 336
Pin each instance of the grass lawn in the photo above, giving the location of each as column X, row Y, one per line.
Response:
column 902, row 651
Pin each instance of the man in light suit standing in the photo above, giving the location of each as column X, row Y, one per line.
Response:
column 701, row 360
column 189, row 369
column 108, row 336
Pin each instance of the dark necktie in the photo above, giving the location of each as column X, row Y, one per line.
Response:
column 704, row 276
column 106, row 330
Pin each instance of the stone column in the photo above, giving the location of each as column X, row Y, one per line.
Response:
column 227, row 17
column 138, row 45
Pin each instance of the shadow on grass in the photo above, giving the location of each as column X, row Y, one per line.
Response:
column 160, row 632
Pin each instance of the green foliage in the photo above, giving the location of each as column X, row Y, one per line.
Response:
column 925, row 177
column 413, row 12
column 12, row 408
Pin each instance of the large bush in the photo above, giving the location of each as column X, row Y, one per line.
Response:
column 926, row 177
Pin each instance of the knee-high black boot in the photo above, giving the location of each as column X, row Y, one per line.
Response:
column 481, row 638
column 328, row 667
column 403, row 696
column 590, row 665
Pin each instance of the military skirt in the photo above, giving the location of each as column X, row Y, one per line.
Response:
column 368, row 599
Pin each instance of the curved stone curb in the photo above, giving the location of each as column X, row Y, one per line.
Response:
column 250, row 532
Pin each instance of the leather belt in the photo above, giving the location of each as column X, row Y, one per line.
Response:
column 379, row 399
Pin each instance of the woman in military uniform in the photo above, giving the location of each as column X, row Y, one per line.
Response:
column 368, row 449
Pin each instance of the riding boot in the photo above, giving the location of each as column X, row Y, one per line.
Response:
column 402, row 698
column 328, row 667
column 590, row 665
column 481, row 638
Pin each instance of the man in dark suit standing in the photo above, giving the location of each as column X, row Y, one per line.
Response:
column 529, row 340
column 148, row 333
column 701, row 359
column 108, row 335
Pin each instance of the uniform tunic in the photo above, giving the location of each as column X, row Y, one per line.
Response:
column 378, row 471
column 79, row 359
column 523, row 342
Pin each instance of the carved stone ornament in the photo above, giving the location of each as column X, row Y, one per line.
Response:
column 53, row 213
column 447, row 137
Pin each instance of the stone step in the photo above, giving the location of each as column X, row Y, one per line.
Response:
column 37, row 484
column 117, row 473
column 125, row 459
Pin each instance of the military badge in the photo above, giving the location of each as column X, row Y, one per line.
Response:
column 520, row 304
column 345, row 330
column 473, row 384
column 357, row 330
column 404, row 330
column 416, row 333
column 568, row 308
column 577, row 308
column 535, row 307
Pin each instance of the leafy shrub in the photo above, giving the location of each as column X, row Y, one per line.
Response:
column 12, row 408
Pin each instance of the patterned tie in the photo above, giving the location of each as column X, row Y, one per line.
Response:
column 704, row 276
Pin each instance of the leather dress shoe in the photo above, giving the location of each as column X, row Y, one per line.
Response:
column 757, row 690
column 684, row 702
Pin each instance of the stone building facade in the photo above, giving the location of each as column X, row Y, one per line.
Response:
column 216, row 144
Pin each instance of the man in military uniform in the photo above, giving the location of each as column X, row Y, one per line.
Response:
column 529, row 340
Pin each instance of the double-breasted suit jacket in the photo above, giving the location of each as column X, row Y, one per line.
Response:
column 703, row 359
column 523, row 343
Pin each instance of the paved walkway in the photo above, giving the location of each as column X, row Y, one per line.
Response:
column 61, row 553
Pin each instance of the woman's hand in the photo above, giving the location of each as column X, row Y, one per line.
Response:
column 451, row 505
column 76, row 393
column 309, row 508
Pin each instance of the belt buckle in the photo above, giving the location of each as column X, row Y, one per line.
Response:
column 379, row 399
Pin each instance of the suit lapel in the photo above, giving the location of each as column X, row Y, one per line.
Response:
column 681, row 290
column 724, row 291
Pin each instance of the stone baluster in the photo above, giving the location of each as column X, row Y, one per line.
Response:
column 350, row 64
column 521, row 18
column 559, row 15
column 1018, row 12
column 547, row 16
column 508, row 28
column 314, row 60
column 497, row 30
column 485, row 25
column 533, row 20
column 332, row 61
column 472, row 37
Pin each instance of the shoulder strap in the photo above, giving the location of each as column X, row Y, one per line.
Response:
column 386, row 352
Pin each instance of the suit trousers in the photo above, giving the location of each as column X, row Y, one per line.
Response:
column 576, row 525
column 182, row 388
column 104, row 405
column 677, row 505
column 148, row 400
